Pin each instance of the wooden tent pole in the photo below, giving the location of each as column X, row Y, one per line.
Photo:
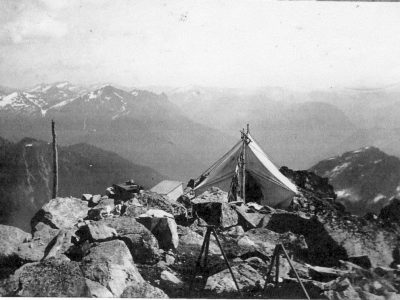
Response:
column 55, row 160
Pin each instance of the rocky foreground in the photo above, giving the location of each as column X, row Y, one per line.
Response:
column 147, row 246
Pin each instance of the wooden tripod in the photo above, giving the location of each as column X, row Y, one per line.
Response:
column 205, row 249
column 275, row 261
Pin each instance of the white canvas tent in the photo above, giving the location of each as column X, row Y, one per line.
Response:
column 246, row 157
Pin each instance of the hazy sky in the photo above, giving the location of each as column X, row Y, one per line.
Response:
column 217, row 43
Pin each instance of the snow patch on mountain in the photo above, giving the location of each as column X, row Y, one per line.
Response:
column 8, row 100
column 378, row 198
column 337, row 170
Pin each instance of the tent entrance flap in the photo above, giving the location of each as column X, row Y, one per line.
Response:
column 249, row 167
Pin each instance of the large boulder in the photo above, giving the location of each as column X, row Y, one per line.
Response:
column 140, row 241
column 143, row 290
column 61, row 213
column 264, row 241
column 98, row 232
column 111, row 264
column 156, row 201
column 341, row 289
column 96, row 290
column 248, row 279
column 215, row 211
column 35, row 249
column 163, row 226
column 10, row 238
column 51, row 278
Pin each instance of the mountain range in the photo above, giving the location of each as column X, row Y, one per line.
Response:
column 299, row 128
column 139, row 125
column 181, row 131
column 365, row 180
column 26, row 175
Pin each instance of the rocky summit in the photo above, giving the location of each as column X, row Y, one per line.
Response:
column 147, row 246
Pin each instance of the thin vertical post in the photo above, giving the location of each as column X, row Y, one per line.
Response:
column 244, row 168
column 55, row 160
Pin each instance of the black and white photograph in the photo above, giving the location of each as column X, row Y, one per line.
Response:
column 192, row 149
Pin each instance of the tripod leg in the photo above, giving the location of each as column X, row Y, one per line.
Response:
column 270, row 268
column 207, row 239
column 198, row 262
column 277, row 269
column 295, row 272
column 226, row 261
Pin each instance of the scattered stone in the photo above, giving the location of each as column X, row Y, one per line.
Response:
column 61, row 213
column 110, row 264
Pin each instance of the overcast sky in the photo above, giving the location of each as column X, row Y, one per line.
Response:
column 305, row 45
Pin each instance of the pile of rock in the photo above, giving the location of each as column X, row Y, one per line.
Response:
column 146, row 246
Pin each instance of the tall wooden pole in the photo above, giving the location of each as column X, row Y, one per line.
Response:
column 244, row 168
column 55, row 160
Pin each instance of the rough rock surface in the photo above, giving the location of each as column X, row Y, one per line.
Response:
column 247, row 278
column 163, row 226
column 101, row 232
column 35, row 249
column 110, row 264
column 140, row 241
column 154, row 200
column 96, row 290
column 51, row 278
column 143, row 290
column 10, row 237
column 61, row 213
